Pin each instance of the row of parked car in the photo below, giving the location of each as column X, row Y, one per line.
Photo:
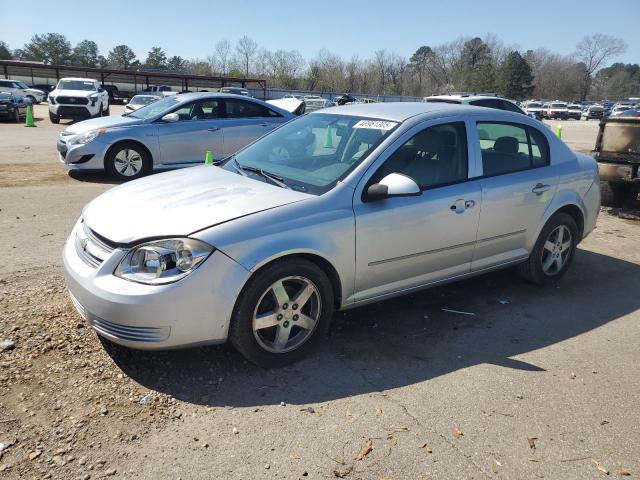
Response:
column 578, row 111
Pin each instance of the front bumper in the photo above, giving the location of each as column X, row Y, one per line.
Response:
column 193, row 311
column 74, row 111
column 620, row 173
column 88, row 156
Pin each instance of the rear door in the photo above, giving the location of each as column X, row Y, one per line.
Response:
column 198, row 130
column 246, row 121
column 518, row 183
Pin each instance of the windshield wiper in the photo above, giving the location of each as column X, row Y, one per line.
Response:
column 275, row 179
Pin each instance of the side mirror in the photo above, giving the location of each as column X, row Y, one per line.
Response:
column 170, row 118
column 393, row 185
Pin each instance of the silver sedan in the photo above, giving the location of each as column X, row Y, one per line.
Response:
column 333, row 210
column 176, row 131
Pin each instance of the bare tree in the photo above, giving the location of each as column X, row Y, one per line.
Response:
column 381, row 61
column 594, row 51
column 219, row 61
column 246, row 49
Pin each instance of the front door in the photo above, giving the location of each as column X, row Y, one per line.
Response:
column 198, row 130
column 407, row 242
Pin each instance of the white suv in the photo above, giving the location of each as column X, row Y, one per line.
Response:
column 21, row 89
column 489, row 101
column 78, row 98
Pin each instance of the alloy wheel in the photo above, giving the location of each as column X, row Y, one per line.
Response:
column 287, row 314
column 556, row 250
column 128, row 162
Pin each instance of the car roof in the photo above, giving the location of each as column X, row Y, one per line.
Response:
column 466, row 97
column 401, row 111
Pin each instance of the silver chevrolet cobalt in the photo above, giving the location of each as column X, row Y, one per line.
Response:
column 333, row 210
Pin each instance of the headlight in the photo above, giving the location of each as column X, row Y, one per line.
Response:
column 163, row 261
column 52, row 99
column 86, row 137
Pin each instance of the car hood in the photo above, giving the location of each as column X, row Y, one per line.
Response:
column 100, row 122
column 73, row 93
column 181, row 202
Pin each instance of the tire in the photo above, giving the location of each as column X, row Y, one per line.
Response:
column 125, row 166
column 613, row 195
column 54, row 118
column 533, row 270
column 33, row 99
column 261, row 346
column 16, row 116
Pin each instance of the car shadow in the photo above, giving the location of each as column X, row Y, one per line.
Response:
column 406, row 340
column 93, row 177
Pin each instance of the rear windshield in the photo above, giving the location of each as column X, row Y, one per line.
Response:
column 443, row 100
column 621, row 138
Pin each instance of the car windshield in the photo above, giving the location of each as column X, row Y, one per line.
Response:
column 621, row 137
column 312, row 153
column 575, row 107
column 143, row 100
column 558, row 105
column 155, row 108
column 534, row 105
column 22, row 85
column 75, row 85
column 5, row 96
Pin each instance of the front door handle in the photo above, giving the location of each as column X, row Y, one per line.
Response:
column 540, row 188
column 459, row 206
column 213, row 129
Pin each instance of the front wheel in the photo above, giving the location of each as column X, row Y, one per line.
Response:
column 54, row 118
column 553, row 252
column 127, row 161
column 282, row 313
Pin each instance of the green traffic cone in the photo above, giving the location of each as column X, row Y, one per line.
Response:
column 208, row 158
column 328, row 138
column 29, row 119
column 559, row 131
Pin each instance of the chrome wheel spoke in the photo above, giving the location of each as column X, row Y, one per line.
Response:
column 548, row 245
column 560, row 234
column 303, row 297
column 305, row 322
column 279, row 292
column 266, row 320
column 559, row 263
column 565, row 246
column 282, row 337
column 546, row 264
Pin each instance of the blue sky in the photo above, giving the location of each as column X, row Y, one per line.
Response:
column 191, row 28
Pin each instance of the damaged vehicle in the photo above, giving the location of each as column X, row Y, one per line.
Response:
column 617, row 152
column 335, row 209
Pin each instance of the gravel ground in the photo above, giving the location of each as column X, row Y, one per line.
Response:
column 538, row 383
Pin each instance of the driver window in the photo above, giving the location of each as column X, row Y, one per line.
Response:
column 202, row 110
column 433, row 157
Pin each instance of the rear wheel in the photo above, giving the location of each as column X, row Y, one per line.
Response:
column 553, row 251
column 54, row 118
column 282, row 313
column 127, row 161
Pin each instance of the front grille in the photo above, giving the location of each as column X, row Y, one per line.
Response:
column 73, row 100
column 91, row 249
column 66, row 111
column 133, row 334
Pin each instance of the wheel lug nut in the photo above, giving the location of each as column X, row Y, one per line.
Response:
column 295, row 306
column 279, row 316
column 295, row 318
column 285, row 306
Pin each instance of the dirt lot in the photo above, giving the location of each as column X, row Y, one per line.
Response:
column 538, row 383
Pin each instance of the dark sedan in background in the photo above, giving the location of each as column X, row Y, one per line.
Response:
column 12, row 106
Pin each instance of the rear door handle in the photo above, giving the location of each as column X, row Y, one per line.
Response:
column 213, row 129
column 540, row 188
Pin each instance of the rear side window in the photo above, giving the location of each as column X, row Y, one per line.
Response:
column 489, row 103
column 242, row 109
column 511, row 147
column 510, row 107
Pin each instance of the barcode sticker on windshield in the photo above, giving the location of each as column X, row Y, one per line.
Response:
column 375, row 124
